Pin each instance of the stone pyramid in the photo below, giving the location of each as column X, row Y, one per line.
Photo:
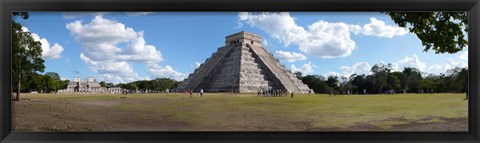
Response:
column 242, row 65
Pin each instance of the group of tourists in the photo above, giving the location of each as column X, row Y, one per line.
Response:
column 272, row 92
column 234, row 92
column 190, row 92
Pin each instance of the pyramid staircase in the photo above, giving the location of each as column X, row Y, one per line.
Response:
column 242, row 65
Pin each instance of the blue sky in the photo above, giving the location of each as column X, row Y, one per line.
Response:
column 123, row 47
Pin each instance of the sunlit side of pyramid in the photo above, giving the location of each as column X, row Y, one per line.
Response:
column 242, row 65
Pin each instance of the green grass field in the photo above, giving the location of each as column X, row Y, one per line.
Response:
column 224, row 112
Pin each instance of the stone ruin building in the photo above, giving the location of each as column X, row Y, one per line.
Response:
column 90, row 85
column 242, row 65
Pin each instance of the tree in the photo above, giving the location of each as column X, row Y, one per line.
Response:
column 102, row 84
column 333, row 82
column 346, row 84
column 161, row 84
column 33, row 83
column 143, row 84
column 359, row 83
column 108, row 85
column 316, row 83
column 27, row 54
column 380, row 75
column 129, row 86
column 393, row 81
column 428, row 83
column 298, row 74
column 443, row 32
column 412, row 78
column 460, row 79
column 56, row 82
column 54, row 75
column 65, row 84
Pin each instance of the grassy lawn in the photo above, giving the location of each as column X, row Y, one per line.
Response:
column 244, row 113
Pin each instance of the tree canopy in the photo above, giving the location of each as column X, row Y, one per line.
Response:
column 442, row 32
column 384, row 80
column 27, row 54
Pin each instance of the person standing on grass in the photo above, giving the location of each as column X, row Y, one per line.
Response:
column 190, row 92
column 201, row 92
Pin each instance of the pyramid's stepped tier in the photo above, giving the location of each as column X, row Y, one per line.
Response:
column 225, row 75
column 252, row 75
column 303, row 87
column 242, row 65
column 277, row 69
column 201, row 72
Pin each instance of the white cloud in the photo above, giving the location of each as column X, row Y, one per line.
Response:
column 138, row 13
column 322, row 39
column 412, row 62
column 294, row 68
column 357, row 68
column 109, row 46
column 197, row 64
column 166, row 71
column 72, row 15
column 264, row 42
column 332, row 74
column 239, row 25
column 63, row 78
column 48, row 52
column 464, row 55
column 436, row 69
column 290, row 56
column 306, row 68
column 378, row 28
column 451, row 64
column 448, row 64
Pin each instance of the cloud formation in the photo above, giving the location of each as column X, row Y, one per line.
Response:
column 138, row 13
column 289, row 56
column 197, row 64
column 464, row 56
column 448, row 64
column 378, row 28
column 48, row 52
column 322, row 39
column 109, row 48
column 73, row 15
column 357, row 68
column 305, row 69
column 412, row 62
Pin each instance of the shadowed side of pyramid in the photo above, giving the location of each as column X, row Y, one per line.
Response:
column 242, row 65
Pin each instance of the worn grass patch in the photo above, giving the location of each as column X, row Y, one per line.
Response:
column 252, row 113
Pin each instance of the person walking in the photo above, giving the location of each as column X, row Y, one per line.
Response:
column 190, row 92
column 201, row 92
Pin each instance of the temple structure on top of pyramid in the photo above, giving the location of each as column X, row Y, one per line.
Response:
column 242, row 65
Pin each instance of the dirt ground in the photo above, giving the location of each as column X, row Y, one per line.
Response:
column 44, row 115
column 99, row 115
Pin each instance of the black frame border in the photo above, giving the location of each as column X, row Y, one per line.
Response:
column 8, row 6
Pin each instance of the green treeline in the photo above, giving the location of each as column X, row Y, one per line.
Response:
column 159, row 84
column 384, row 80
column 50, row 82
